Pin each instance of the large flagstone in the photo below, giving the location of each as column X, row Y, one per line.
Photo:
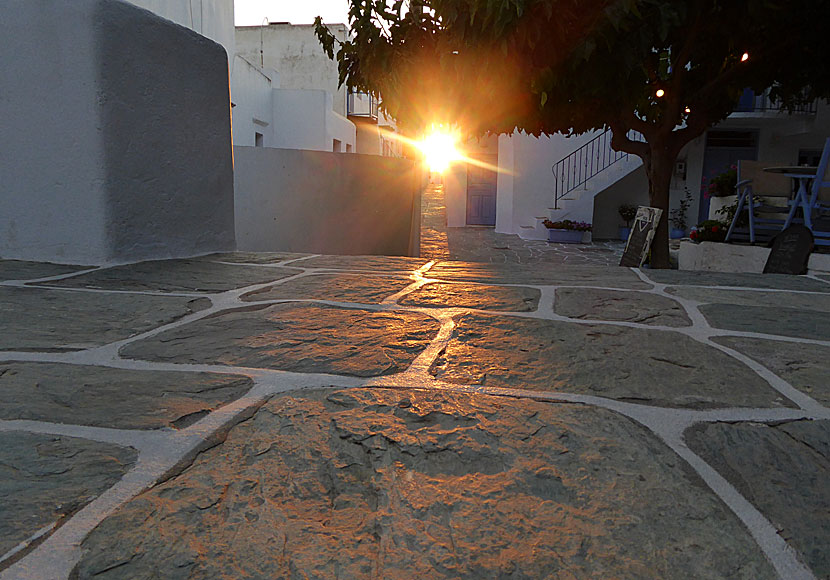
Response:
column 781, row 321
column 542, row 273
column 782, row 469
column 21, row 270
column 479, row 296
column 805, row 366
column 176, row 276
column 639, row 307
column 41, row 319
column 413, row 484
column 337, row 287
column 115, row 398
column 296, row 337
column 749, row 297
column 637, row 365
column 735, row 279
column 45, row 479
column 378, row 263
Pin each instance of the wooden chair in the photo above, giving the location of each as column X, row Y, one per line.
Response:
column 762, row 195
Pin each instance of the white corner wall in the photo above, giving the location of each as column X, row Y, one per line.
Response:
column 105, row 106
column 211, row 18
column 52, row 158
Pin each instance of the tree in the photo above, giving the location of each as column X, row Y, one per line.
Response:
column 668, row 69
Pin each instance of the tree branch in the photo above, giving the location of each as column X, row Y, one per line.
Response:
column 621, row 142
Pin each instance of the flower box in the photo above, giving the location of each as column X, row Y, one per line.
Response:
column 564, row 236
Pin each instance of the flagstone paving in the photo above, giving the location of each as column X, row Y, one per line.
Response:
column 284, row 415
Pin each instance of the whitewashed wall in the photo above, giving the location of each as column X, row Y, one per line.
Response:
column 296, row 53
column 253, row 108
column 526, row 177
column 105, row 107
column 211, row 18
column 303, row 119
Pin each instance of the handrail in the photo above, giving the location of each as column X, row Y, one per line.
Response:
column 577, row 168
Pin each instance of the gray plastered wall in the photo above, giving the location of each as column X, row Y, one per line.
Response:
column 116, row 135
column 331, row 203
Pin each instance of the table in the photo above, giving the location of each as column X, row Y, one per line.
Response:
column 803, row 175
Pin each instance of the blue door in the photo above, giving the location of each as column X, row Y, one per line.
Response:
column 481, row 193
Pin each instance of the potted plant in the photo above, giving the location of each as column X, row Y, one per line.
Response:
column 677, row 216
column 708, row 231
column 566, row 231
column 723, row 184
column 627, row 212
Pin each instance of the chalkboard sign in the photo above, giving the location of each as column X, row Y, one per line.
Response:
column 790, row 251
column 639, row 240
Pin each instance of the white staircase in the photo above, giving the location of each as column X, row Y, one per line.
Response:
column 580, row 177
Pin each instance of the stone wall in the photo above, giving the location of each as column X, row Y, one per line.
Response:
column 116, row 135
column 312, row 201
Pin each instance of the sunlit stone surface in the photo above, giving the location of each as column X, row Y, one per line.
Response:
column 336, row 287
column 479, row 296
column 409, row 484
column 40, row 319
column 379, row 263
column 431, row 479
column 296, row 337
column 782, row 469
column 639, row 307
column 611, row 277
column 44, row 479
column 117, row 398
column 645, row 366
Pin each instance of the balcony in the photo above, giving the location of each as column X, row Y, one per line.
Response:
column 362, row 105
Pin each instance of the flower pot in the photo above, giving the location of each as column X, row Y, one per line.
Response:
column 625, row 231
column 677, row 233
column 564, row 236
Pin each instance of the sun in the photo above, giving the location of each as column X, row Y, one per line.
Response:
column 439, row 150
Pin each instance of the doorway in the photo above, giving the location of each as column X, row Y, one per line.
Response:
column 724, row 149
column 481, row 192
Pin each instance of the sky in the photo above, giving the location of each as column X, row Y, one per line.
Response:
column 253, row 12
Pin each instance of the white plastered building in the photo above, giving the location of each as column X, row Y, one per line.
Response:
column 522, row 194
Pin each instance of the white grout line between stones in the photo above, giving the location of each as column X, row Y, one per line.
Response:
column 164, row 451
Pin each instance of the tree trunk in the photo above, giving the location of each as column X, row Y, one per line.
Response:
column 659, row 170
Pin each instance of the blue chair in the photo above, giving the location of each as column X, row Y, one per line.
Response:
column 756, row 191
column 820, row 209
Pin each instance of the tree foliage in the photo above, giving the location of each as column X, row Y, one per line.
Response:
column 571, row 66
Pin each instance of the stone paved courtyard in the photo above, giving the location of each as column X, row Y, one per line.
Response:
column 295, row 416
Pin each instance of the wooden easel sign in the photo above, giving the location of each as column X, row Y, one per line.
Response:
column 642, row 233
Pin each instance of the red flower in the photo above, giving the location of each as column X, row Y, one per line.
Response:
column 714, row 229
column 693, row 234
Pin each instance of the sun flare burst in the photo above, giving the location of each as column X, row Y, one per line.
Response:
column 439, row 149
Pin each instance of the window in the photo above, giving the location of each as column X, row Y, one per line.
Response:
column 258, row 140
column 336, row 146
column 348, row 147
